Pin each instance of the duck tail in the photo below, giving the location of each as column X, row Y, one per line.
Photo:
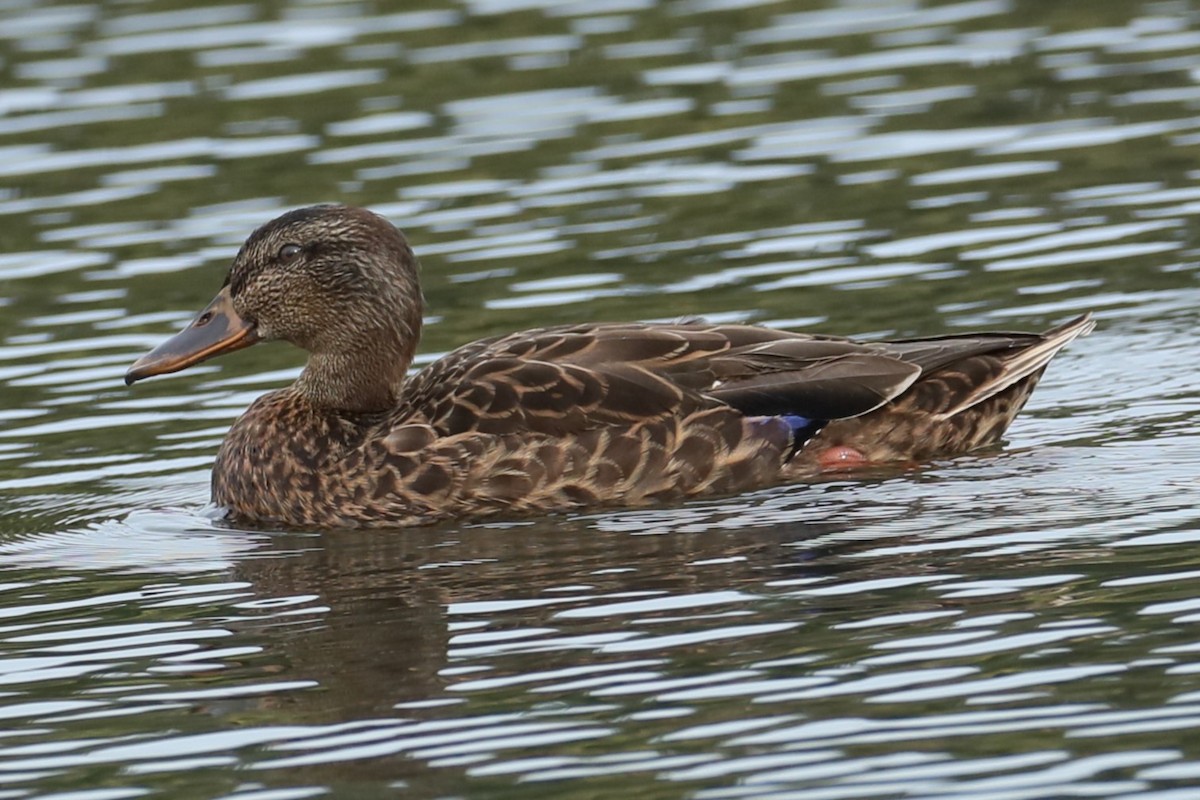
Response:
column 1025, row 362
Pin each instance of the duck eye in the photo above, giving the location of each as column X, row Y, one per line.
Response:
column 289, row 251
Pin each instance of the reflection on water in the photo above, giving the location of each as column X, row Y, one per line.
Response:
column 1016, row 624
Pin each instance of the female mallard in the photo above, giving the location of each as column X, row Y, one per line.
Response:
column 555, row 418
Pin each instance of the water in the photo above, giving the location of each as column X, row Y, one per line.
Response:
column 1009, row 625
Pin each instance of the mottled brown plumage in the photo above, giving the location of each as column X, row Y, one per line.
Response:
column 555, row 418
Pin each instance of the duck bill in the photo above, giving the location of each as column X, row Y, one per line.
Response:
column 216, row 330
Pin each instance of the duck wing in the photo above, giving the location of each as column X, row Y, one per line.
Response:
column 566, row 380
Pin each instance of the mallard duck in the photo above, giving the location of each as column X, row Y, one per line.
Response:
column 555, row 418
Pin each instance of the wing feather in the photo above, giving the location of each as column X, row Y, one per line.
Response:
column 844, row 386
column 570, row 379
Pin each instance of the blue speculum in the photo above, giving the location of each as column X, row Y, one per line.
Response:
column 802, row 428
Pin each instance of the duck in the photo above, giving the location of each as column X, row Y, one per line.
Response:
column 555, row 419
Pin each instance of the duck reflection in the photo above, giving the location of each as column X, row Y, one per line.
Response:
column 405, row 610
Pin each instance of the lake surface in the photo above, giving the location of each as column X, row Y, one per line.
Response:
column 1016, row 624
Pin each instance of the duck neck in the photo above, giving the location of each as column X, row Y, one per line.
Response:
column 362, row 381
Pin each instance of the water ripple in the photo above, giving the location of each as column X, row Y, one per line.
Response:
column 1010, row 624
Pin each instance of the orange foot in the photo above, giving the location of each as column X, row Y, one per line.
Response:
column 841, row 457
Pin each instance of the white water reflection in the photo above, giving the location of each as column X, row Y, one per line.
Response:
column 155, row 541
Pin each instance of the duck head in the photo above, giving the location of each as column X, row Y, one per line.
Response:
column 337, row 281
